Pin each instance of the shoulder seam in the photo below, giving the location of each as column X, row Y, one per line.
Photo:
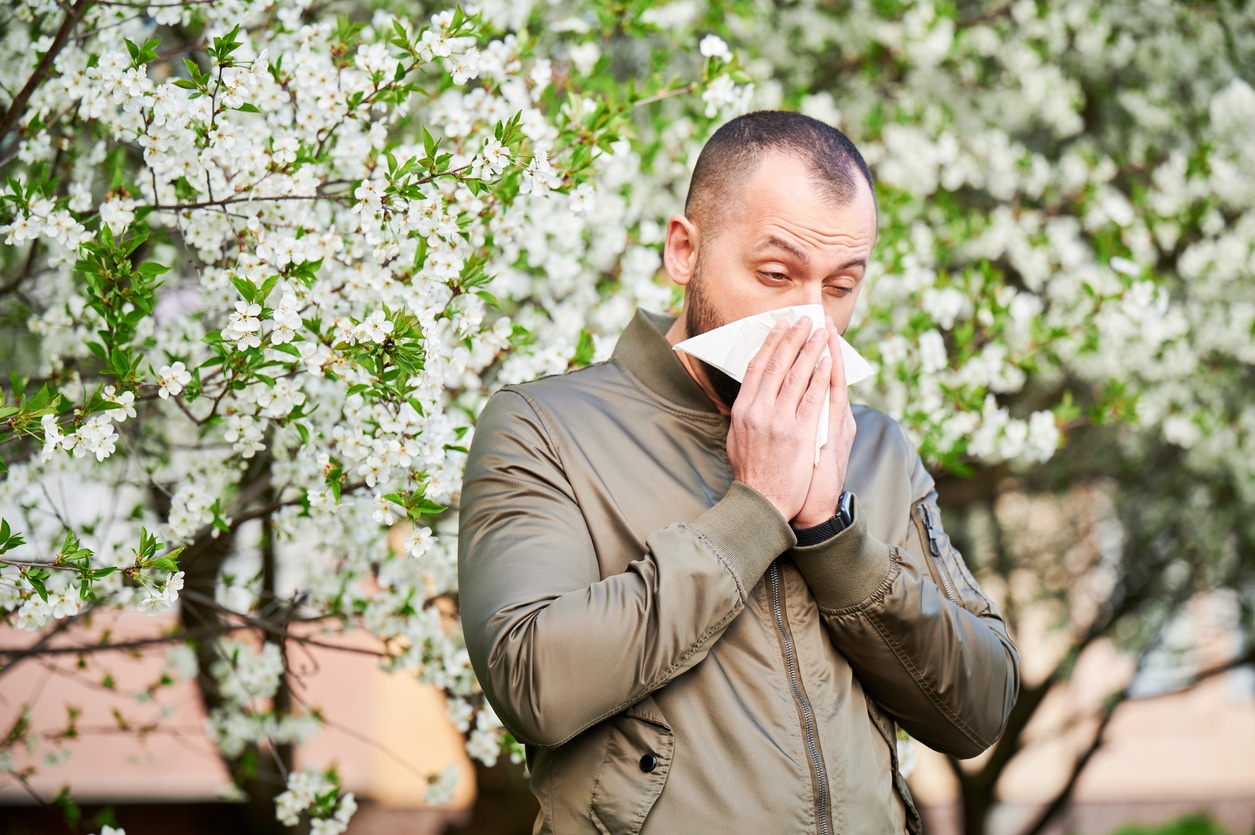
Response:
column 541, row 415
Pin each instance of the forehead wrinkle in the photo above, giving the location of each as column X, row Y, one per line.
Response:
column 822, row 242
column 780, row 243
column 817, row 238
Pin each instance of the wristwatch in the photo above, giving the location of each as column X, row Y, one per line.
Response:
column 824, row 531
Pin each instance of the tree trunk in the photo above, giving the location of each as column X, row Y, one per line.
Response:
column 201, row 563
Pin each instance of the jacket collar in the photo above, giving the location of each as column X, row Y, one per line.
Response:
column 644, row 351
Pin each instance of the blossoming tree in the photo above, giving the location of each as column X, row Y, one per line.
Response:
column 262, row 265
column 257, row 251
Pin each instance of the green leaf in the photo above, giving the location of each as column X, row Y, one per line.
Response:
column 18, row 383
column 37, row 584
column 8, row 539
column 246, row 288
column 287, row 348
column 583, row 350
column 73, row 814
column 121, row 363
column 225, row 45
column 266, row 287
column 151, row 269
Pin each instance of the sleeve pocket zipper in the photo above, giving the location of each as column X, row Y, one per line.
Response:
column 928, row 538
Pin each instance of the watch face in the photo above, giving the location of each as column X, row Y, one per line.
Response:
column 845, row 508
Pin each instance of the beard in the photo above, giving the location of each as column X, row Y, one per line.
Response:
column 700, row 317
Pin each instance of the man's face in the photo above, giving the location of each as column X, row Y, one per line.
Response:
column 785, row 244
column 700, row 316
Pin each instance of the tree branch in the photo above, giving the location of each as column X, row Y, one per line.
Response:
column 18, row 107
column 1065, row 794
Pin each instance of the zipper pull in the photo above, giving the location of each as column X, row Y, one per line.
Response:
column 933, row 547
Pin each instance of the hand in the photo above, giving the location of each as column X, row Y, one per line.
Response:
column 828, row 478
column 771, row 442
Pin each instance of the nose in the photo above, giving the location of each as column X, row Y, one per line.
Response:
column 810, row 294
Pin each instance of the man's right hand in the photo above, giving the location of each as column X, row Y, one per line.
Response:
column 771, row 442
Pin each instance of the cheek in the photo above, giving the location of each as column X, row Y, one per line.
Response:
column 841, row 311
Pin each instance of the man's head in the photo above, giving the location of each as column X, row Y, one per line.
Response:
column 780, row 212
column 738, row 147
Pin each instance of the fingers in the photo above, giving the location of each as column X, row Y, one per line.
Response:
column 839, row 392
column 803, row 384
column 784, row 371
column 757, row 366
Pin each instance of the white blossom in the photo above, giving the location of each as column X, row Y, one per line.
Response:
column 440, row 787
column 713, row 46
column 244, row 327
column 172, row 378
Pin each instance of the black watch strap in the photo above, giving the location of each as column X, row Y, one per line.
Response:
column 825, row 531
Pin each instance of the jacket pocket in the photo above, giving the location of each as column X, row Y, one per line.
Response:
column 948, row 569
column 888, row 729
column 639, row 751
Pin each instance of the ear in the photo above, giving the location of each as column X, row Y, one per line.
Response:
column 679, row 255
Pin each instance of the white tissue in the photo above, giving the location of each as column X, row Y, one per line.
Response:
column 731, row 347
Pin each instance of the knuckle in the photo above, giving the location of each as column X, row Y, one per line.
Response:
column 749, row 418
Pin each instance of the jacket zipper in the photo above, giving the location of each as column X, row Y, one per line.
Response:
column 808, row 717
column 947, row 584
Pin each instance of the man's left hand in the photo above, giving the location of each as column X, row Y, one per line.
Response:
column 828, row 477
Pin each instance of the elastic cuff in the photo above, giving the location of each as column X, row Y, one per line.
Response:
column 748, row 531
column 846, row 569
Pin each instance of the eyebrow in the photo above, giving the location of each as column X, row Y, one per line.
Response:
column 801, row 255
column 781, row 243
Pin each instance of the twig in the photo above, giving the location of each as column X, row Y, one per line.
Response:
column 18, row 107
column 666, row 94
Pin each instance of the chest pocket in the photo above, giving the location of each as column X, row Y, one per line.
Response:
column 639, row 752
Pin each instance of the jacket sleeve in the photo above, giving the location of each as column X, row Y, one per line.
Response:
column 922, row 637
column 556, row 647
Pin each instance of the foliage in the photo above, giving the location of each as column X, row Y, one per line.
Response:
column 1189, row 825
column 253, row 257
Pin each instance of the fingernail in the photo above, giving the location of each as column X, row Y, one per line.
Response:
column 780, row 325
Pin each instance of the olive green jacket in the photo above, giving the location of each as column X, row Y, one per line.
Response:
column 673, row 662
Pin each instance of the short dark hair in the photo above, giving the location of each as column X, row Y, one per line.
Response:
column 736, row 149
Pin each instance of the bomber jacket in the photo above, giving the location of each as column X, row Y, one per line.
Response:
column 673, row 662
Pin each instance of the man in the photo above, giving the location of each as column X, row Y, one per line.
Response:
column 692, row 625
